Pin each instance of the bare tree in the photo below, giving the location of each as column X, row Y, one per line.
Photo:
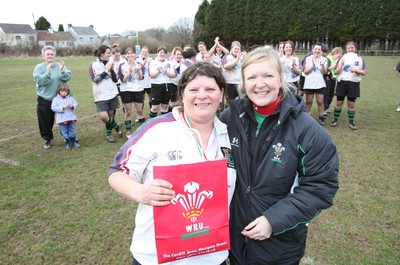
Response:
column 180, row 33
column 152, row 38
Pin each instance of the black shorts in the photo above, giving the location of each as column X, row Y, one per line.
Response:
column 160, row 93
column 147, row 90
column 106, row 105
column 315, row 91
column 129, row 97
column 348, row 88
column 174, row 92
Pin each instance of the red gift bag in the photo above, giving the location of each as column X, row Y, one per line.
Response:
column 196, row 221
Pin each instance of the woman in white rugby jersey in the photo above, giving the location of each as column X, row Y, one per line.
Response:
column 218, row 52
column 350, row 69
column 130, row 73
column 232, row 70
column 315, row 66
column 291, row 65
column 161, row 72
column 177, row 66
column 144, row 59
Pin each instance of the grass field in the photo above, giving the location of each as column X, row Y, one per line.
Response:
column 56, row 206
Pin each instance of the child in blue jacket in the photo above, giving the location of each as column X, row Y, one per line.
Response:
column 64, row 106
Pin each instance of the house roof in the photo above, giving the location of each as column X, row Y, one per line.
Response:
column 83, row 31
column 45, row 35
column 17, row 28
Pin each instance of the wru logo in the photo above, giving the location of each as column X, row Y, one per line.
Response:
column 279, row 149
column 192, row 203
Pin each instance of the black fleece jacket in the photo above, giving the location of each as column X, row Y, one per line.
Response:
column 287, row 171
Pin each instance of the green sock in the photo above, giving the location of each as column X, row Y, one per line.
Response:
column 108, row 129
column 128, row 125
column 113, row 124
column 153, row 114
column 351, row 114
column 336, row 113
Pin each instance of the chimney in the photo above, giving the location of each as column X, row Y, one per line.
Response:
column 69, row 25
column 90, row 26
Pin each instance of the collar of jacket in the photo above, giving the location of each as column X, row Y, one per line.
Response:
column 290, row 104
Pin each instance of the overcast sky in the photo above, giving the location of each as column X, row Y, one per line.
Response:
column 106, row 17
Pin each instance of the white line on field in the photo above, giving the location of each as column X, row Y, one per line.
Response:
column 35, row 131
column 16, row 163
column 9, row 161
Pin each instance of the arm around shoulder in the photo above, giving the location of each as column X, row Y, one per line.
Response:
column 317, row 183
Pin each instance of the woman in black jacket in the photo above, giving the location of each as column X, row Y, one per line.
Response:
column 286, row 163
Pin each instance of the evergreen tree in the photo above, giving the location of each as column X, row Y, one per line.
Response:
column 214, row 20
column 304, row 21
column 390, row 14
column 61, row 28
column 42, row 24
column 199, row 33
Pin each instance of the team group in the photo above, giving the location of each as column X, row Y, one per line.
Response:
column 319, row 73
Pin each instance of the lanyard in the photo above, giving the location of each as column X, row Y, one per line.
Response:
column 198, row 143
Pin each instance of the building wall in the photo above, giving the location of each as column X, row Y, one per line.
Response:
column 92, row 40
column 57, row 44
column 28, row 40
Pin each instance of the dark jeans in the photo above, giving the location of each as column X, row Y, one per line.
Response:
column 45, row 118
column 329, row 92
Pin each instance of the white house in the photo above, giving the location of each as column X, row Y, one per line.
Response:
column 56, row 39
column 84, row 35
column 17, row 35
